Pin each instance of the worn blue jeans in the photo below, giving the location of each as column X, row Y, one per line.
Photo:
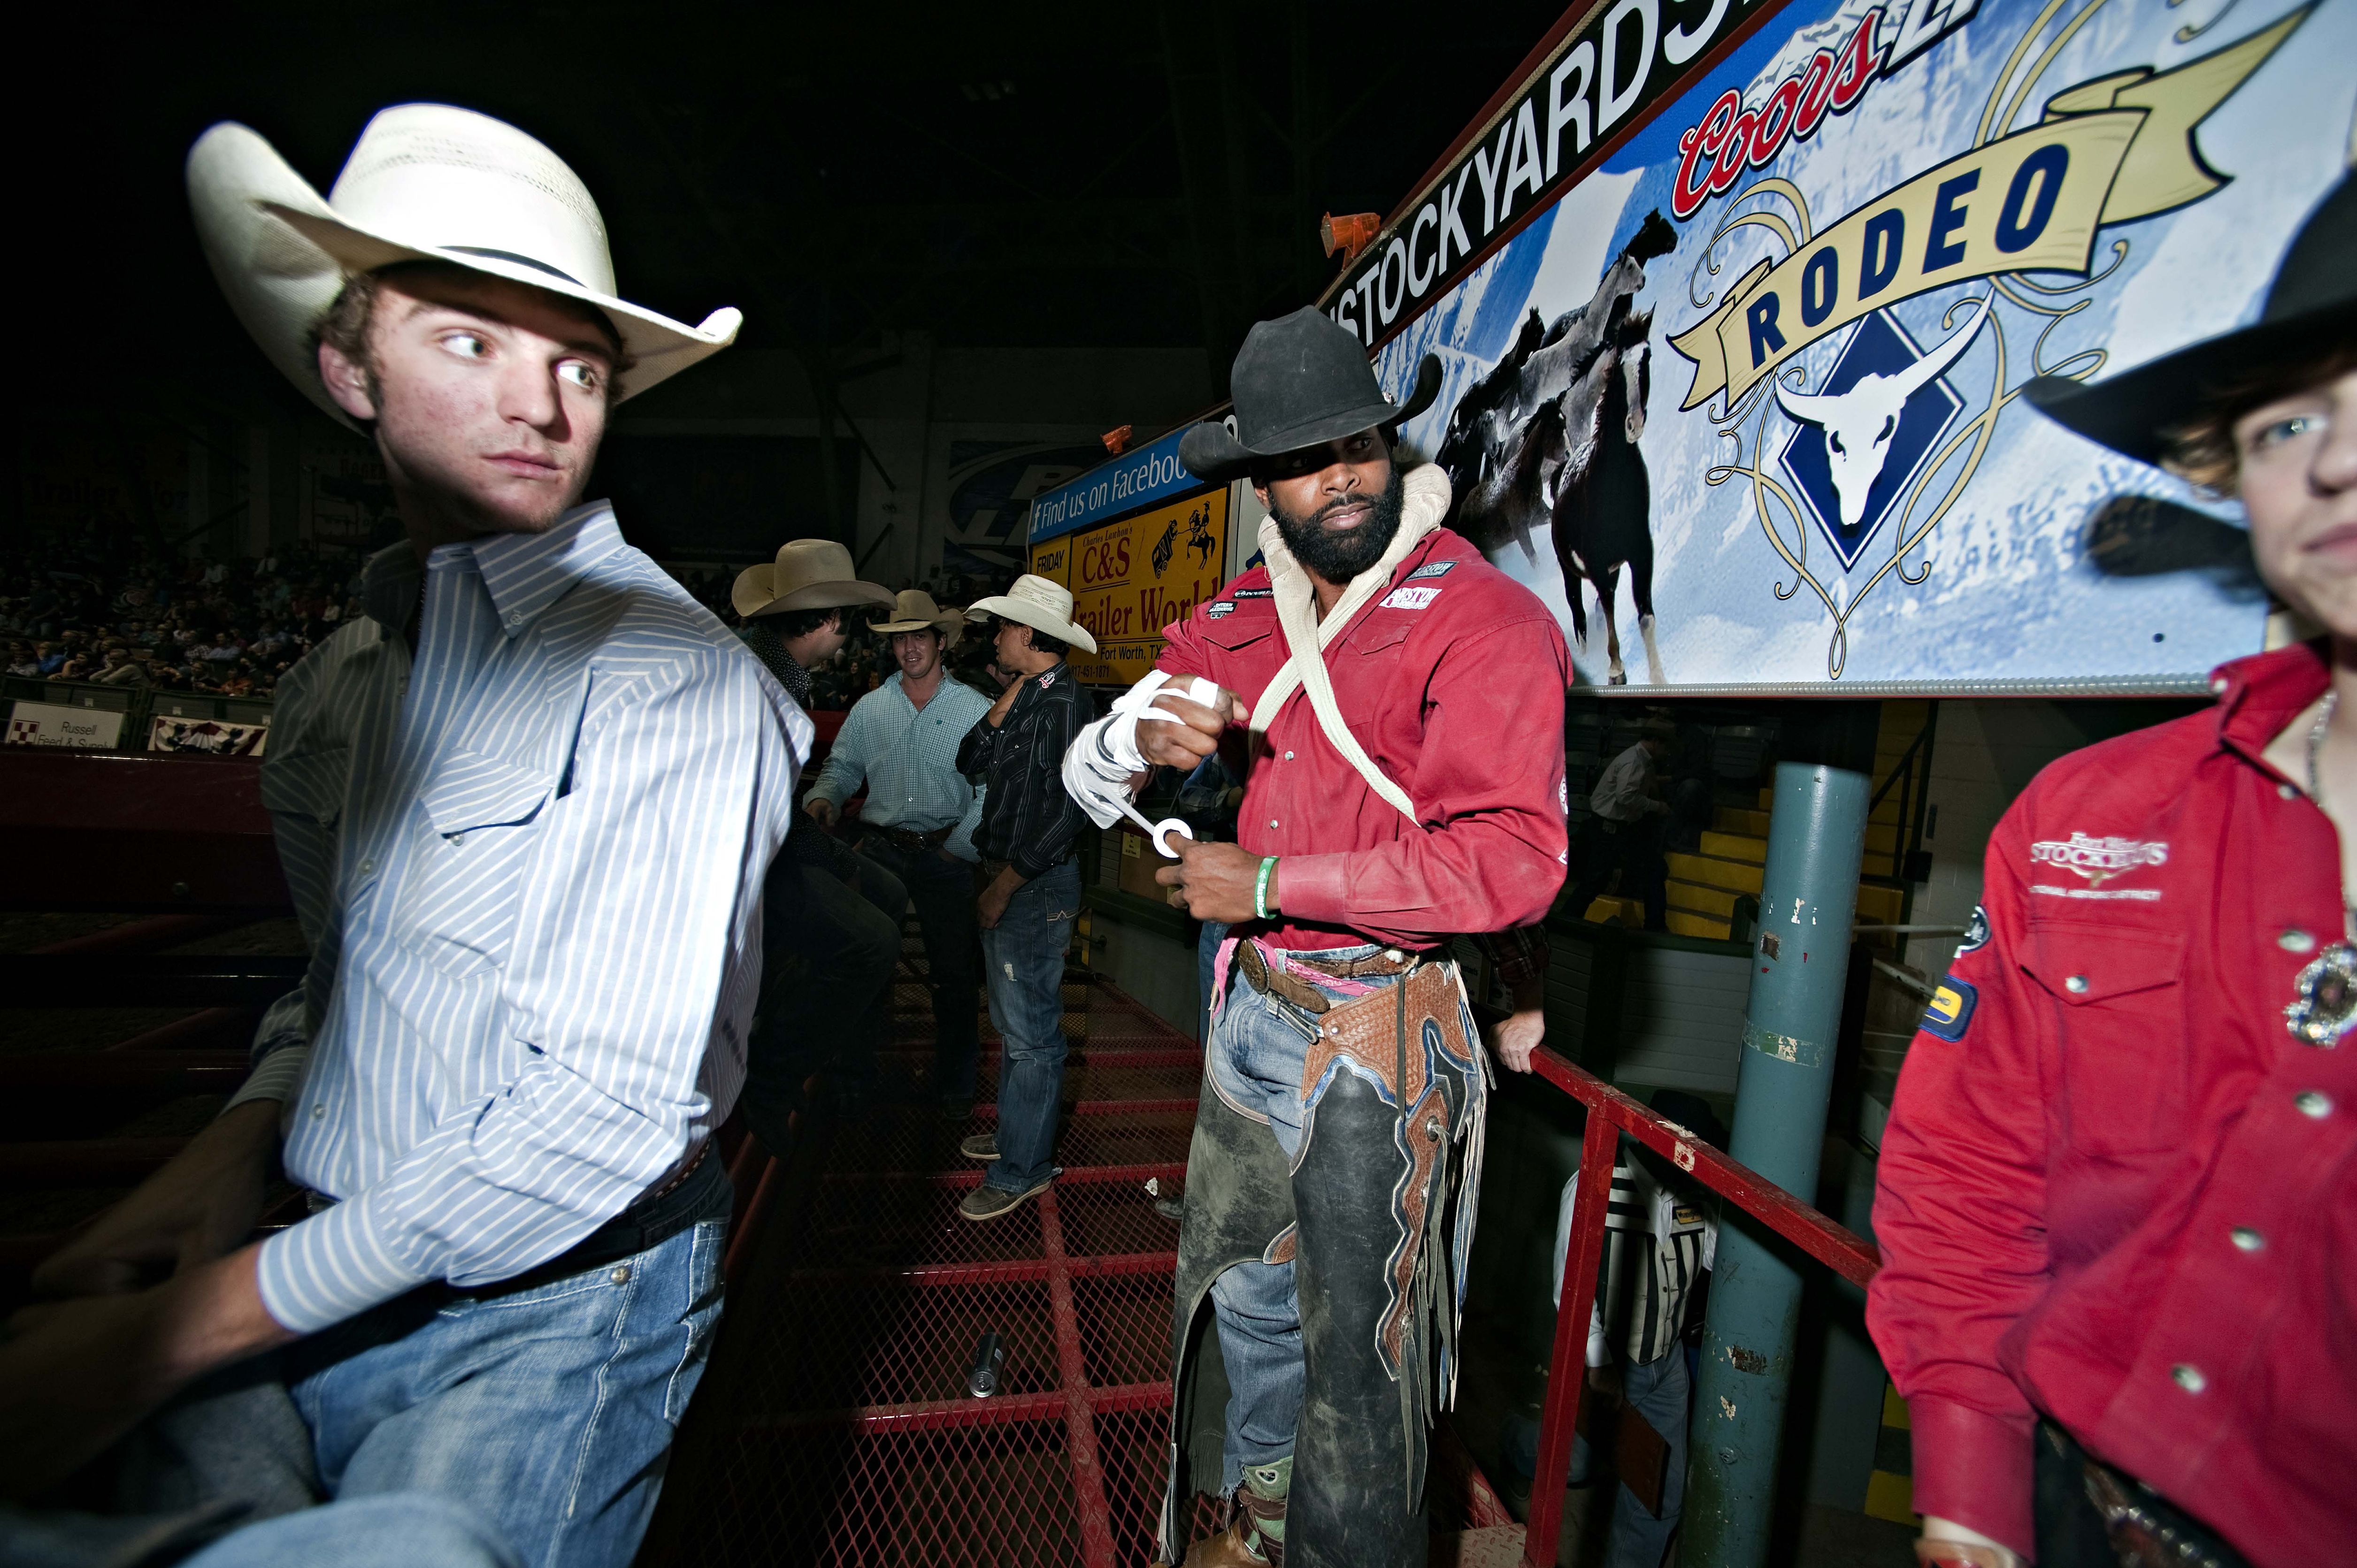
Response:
column 441, row 1428
column 1254, row 1057
column 1661, row 1392
column 1023, row 961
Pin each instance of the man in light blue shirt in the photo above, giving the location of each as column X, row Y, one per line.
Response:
column 524, row 805
column 900, row 742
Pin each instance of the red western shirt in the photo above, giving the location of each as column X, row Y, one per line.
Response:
column 1453, row 680
column 2116, row 1188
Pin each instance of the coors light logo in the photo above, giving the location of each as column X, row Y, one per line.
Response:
column 2099, row 859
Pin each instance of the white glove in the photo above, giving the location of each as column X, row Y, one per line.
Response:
column 1104, row 755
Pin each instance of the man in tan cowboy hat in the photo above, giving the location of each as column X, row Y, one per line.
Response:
column 833, row 920
column 900, row 744
column 523, row 804
column 792, row 608
column 1031, row 893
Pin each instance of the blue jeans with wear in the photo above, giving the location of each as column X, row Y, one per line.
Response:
column 449, row 1427
column 1023, row 961
column 1257, row 1048
column 1660, row 1392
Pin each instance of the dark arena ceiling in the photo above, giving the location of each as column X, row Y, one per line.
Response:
column 1048, row 175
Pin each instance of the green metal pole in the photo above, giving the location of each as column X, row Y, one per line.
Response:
column 1816, row 837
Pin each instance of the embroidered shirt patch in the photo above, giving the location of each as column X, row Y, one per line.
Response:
column 1254, row 594
column 1219, row 609
column 1409, row 598
column 1951, row 1009
column 1976, row 933
column 1431, row 569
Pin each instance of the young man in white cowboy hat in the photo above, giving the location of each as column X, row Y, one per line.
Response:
column 1341, row 1119
column 2118, row 1195
column 525, row 806
column 900, row 744
column 832, row 920
column 1031, row 889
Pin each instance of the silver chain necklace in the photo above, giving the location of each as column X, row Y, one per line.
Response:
column 2327, row 985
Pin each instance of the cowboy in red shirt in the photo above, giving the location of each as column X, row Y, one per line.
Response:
column 2118, row 1192
column 1400, row 704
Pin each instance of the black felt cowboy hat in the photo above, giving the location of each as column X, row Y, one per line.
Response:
column 1300, row 381
column 2313, row 301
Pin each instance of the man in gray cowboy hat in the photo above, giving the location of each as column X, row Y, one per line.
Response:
column 900, row 744
column 523, row 804
column 832, row 920
column 1031, row 889
column 2115, row 1199
column 1331, row 1182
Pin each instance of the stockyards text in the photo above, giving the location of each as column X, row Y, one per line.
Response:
column 1736, row 311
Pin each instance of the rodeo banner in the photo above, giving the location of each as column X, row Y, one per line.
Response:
column 1737, row 389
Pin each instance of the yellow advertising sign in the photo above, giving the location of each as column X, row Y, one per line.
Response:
column 1131, row 578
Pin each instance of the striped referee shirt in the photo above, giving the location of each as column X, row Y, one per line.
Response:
column 528, row 863
column 1658, row 1242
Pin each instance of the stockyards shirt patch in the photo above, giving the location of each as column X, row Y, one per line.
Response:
column 1951, row 1009
column 2097, row 861
column 1409, row 598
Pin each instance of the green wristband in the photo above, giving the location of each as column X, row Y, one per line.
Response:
column 1260, row 887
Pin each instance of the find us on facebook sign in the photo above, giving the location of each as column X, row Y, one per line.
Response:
column 1134, row 479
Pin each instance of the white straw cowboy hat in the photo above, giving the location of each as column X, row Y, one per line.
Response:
column 426, row 182
column 808, row 574
column 913, row 610
column 1037, row 602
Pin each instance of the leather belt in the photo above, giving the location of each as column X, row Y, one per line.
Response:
column 1269, row 982
column 644, row 1224
column 910, row 842
column 2144, row 1528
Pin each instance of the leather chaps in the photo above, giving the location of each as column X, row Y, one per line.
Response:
column 1375, row 1213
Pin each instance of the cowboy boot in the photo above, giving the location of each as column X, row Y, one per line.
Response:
column 1255, row 1536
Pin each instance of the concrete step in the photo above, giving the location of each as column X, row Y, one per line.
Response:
column 1682, row 924
column 1629, row 912
column 1714, row 872
column 1879, row 905
column 1700, row 899
column 1736, row 820
column 1736, row 847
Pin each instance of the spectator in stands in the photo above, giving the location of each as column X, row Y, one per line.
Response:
column 2117, row 1194
column 118, row 669
column 23, row 661
column 532, row 966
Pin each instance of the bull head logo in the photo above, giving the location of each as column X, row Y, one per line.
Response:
column 1859, row 423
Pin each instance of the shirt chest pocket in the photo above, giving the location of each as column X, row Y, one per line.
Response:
column 458, row 906
column 2121, row 1033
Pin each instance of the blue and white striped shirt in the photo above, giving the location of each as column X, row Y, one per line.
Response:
column 529, row 868
column 908, row 759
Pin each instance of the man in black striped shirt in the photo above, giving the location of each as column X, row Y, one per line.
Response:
column 1662, row 1236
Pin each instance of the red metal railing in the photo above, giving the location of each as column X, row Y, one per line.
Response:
column 1611, row 1113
